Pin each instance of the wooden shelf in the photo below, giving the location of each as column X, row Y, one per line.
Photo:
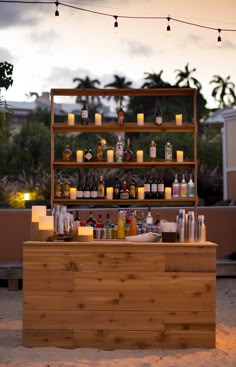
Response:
column 112, row 127
column 123, row 165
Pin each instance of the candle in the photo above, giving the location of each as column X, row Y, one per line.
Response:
column 109, row 193
column 178, row 119
column 139, row 154
column 46, row 227
column 168, row 193
column 110, row 156
column 73, row 193
column 141, row 193
column 37, row 211
column 71, row 119
column 179, row 156
column 85, row 234
column 140, row 118
column 79, row 155
column 98, row 119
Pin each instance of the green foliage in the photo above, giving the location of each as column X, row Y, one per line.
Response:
column 6, row 70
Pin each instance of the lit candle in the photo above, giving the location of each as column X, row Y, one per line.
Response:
column 109, row 193
column 79, row 155
column 46, row 227
column 168, row 193
column 141, row 193
column 98, row 119
column 178, row 119
column 71, row 119
column 37, row 211
column 139, row 154
column 110, row 156
column 179, row 155
column 73, row 193
column 140, row 118
column 85, row 234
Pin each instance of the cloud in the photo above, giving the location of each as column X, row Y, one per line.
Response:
column 136, row 48
column 5, row 55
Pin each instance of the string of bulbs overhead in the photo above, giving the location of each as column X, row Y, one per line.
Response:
column 168, row 18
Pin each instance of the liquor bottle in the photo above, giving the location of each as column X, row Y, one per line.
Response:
column 158, row 115
column 94, row 188
column 153, row 187
column 77, row 217
column 147, row 188
column 116, row 189
column 153, row 150
column 99, row 151
column 133, row 225
column 124, row 192
column 58, row 188
column 84, row 114
column 133, row 189
column 149, row 218
column 67, row 154
column 120, row 226
column 120, row 115
column 175, row 187
column 158, row 223
column 101, row 188
column 183, row 187
column 168, row 151
column 161, row 188
column 119, row 150
column 128, row 154
column 88, row 155
column 80, row 189
column 87, row 191
column 100, row 221
column 91, row 222
column 191, row 186
column 108, row 226
column 66, row 189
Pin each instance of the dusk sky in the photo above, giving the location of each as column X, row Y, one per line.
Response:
column 48, row 52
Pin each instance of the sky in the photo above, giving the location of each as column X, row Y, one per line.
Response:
column 48, row 52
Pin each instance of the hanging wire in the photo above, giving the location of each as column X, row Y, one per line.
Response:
column 219, row 41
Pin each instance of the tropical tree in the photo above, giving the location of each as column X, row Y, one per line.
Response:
column 185, row 78
column 32, row 95
column 154, row 80
column 224, row 91
column 6, row 70
column 87, row 83
column 119, row 82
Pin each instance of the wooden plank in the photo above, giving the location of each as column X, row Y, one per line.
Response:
column 47, row 338
column 190, row 262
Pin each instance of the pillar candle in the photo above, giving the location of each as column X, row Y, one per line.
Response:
column 71, row 119
column 178, row 119
column 98, row 119
column 141, row 193
column 37, row 211
column 46, row 227
column 109, row 193
column 168, row 193
column 79, row 155
column 73, row 193
column 85, row 234
column 179, row 156
column 110, row 156
column 140, row 118
column 139, row 154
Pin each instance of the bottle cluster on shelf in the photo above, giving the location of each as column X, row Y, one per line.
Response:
column 153, row 187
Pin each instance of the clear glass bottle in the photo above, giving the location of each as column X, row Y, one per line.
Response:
column 191, row 186
column 84, row 113
column 153, row 150
column 99, row 151
column 119, row 150
column 175, row 187
column 183, row 187
column 133, row 189
column 168, row 151
column 124, row 191
column 67, row 154
column 128, row 154
column 149, row 218
column 120, row 115
column 158, row 115
column 94, row 188
column 101, row 188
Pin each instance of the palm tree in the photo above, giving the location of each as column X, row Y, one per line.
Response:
column 119, row 82
column 154, row 80
column 224, row 91
column 87, row 83
column 185, row 78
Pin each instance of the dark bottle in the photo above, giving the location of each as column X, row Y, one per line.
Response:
column 116, row 189
column 120, row 115
column 87, row 191
column 153, row 187
column 94, row 188
column 133, row 189
column 67, row 154
column 161, row 188
column 88, row 155
column 80, row 189
column 147, row 188
column 84, row 114
column 91, row 221
column 100, row 221
column 77, row 217
column 128, row 154
column 124, row 192
column 99, row 151
column 158, row 115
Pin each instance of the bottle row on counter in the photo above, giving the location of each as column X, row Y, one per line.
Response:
column 89, row 187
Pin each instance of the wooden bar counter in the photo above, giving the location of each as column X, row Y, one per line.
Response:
column 118, row 294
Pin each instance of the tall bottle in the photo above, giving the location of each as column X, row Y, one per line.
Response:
column 128, row 154
column 149, row 218
column 80, row 189
column 91, row 222
column 119, row 150
column 99, row 151
column 133, row 189
column 133, row 225
column 67, row 154
column 66, row 189
column 101, row 188
column 58, row 188
column 108, row 226
column 153, row 187
column 175, row 187
column 183, row 187
column 120, row 115
column 168, row 151
column 88, row 154
column 94, row 188
column 116, row 189
column 161, row 188
column 158, row 115
column 87, row 191
column 153, row 149
column 124, row 191
column 120, row 226
column 191, row 186
column 147, row 188
column 84, row 114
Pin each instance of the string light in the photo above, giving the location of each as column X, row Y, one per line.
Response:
column 219, row 43
column 57, row 11
column 168, row 25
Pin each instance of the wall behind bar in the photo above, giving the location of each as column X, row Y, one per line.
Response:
column 220, row 222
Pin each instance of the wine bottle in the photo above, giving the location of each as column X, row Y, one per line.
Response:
column 153, row 150
column 153, row 187
column 87, row 192
column 128, row 154
column 175, row 187
column 80, row 189
column 84, row 114
column 191, row 186
column 147, row 188
column 133, row 189
column 99, row 151
column 120, row 115
column 119, row 150
column 94, row 188
column 101, row 188
column 88, row 155
column 91, row 222
column 67, row 154
column 158, row 115
column 168, row 151
column 183, row 187
column 124, row 192
column 116, row 189
column 161, row 188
